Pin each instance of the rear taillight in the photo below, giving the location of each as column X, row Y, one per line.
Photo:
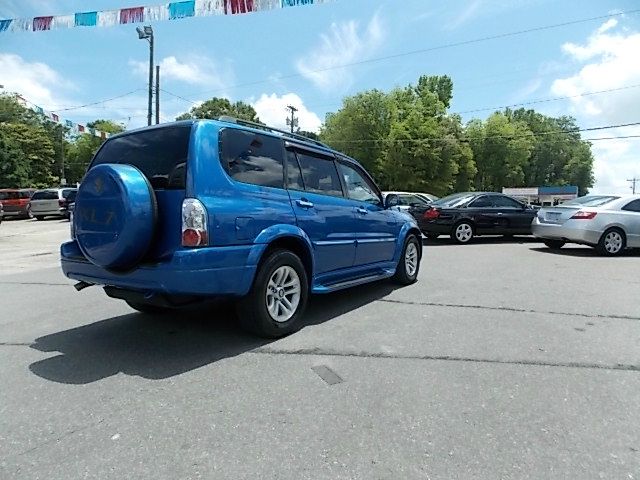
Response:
column 431, row 214
column 584, row 215
column 194, row 223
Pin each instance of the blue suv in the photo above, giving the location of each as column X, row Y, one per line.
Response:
column 177, row 213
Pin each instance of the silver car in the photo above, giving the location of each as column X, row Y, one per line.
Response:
column 51, row 202
column 610, row 223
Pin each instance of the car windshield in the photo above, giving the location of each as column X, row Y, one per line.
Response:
column 454, row 200
column 591, row 200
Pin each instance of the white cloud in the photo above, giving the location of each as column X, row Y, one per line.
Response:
column 608, row 60
column 345, row 43
column 272, row 110
column 463, row 17
column 33, row 81
column 195, row 70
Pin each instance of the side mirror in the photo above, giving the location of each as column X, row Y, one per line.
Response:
column 391, row 200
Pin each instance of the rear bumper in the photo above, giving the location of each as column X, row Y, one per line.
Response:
column 565, row 232
column 213, row 271
column 14, row 211
column 49, row 212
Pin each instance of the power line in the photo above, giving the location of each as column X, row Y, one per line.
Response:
column 92, row 103
column 429, row 49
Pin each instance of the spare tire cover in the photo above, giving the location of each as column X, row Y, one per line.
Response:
column 115, row 216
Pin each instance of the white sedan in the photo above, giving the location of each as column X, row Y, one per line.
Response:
column 610, row 223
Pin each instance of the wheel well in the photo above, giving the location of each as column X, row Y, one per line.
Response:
column 294, row 245
column 614, row 227
column 418, row 234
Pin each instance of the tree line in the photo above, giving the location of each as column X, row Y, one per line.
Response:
column 406, row 138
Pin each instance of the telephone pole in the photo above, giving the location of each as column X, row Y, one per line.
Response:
column 633, row 182
column 293, row 121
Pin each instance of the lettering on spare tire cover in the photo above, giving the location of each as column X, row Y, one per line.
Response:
column 115, row 215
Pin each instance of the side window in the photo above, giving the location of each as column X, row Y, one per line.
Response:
column 250, row 157
column 319, row 175
column 414, row 199
column 482, row 202
column 403, row 200
column 633, row 206
column 294, row 175
column 358, row 187
column 505, row 202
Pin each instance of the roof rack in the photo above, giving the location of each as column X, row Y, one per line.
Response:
column 247, row 123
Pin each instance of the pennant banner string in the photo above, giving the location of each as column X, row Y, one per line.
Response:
column 153, row 13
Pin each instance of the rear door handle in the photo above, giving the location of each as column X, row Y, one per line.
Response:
column 362, row 210
column 304, row 203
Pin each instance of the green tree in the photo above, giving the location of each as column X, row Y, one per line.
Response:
column 81, row 151
column 217, row 107
column 30, row 156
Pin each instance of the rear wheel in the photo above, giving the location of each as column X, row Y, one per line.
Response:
column 28, row 213
column 554, row 244
column 277, row 300
column 612, row 243
column 409, row 264
column 463, row 232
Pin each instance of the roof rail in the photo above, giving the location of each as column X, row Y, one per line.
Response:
column 247, row 123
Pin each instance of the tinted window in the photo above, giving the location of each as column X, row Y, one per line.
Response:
column 319, row 175
column 294, row 175
column 45, row 195
column 251, row 157
column 482, row 202
column 9, row 195
column 69, row 194
column 506, row 202
column 455, row 200
column 358, row 186
column 633, row 206
column 412, row 200
column 161, row 154
column 25, row 194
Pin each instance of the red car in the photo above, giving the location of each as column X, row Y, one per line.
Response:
column 16, row 202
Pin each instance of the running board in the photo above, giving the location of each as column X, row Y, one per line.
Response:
column 351, row 283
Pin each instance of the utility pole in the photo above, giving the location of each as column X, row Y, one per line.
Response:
column 633, row 182
column 157, row 94
column 293, row 121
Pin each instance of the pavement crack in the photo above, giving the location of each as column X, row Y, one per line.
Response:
column 446, row 358
column 510, row 309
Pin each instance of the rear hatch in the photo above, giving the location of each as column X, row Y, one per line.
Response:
column 45, row 201
column 558, row 215
column 161, row 155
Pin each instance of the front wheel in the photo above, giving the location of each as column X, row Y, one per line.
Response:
column 612, row 243
column 463, row 232
column 409, row 264
column 276, row 302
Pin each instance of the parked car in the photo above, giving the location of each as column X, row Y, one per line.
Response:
column 610, row 223
column 413, row 203
column 51, row 202
column 1, row 212
column 466, row 215
column 173, row 214
column 16, row 202
column 68, row 204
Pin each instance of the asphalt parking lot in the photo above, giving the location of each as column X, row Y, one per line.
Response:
column 504, row 361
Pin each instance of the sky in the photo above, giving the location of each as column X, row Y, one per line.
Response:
column 313, row 56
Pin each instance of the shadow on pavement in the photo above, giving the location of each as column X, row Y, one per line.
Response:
column 158, row 347
column 583, row 252
column 444, row 241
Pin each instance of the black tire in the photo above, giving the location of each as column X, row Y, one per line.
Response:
column 39, row 217
column 457, row 235
column 613, row 242
column 403, row 274
column 554, row 244
column 147, row 308
column 432, row 236
column 27, row 214
column 253, row 312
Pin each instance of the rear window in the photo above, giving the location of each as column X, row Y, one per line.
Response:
column 454, row 200
column 9, row 195
column 250, row 157
column 45, row 195
column 161, row 154
column 69, row 194
column 26, row 194
column 592, row 200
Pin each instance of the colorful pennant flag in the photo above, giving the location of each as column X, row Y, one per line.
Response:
column 153, row 13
